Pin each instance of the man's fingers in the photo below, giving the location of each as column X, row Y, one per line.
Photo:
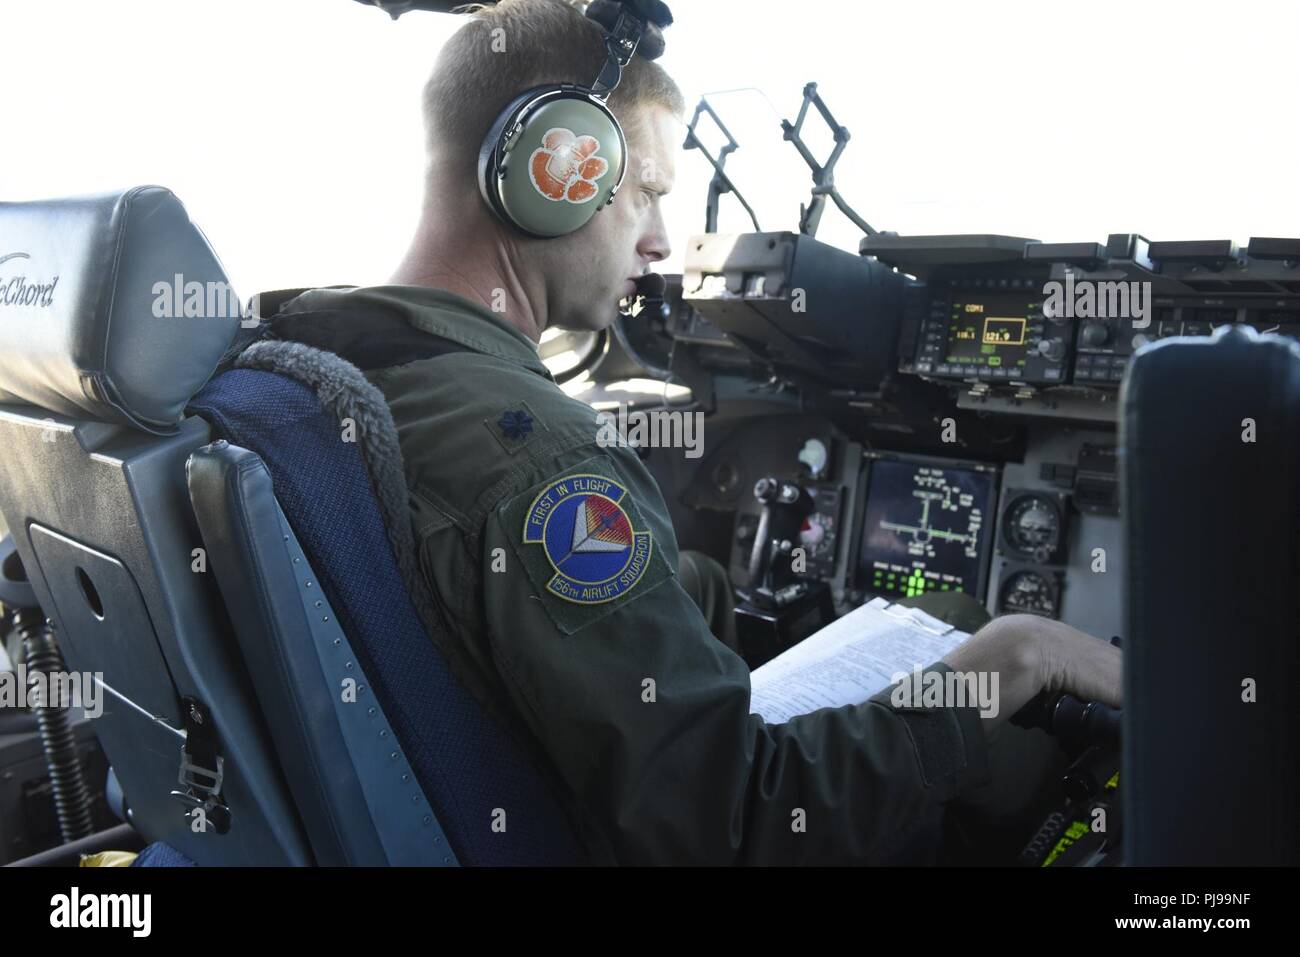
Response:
column 1097, row 675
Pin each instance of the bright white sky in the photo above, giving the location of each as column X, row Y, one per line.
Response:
column 291, row 129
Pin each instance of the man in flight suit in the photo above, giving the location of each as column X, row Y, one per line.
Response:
column 552, row 553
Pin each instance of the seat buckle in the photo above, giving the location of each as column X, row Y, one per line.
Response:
column 202, row 771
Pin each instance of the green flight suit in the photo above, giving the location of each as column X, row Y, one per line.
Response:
column 643, row 715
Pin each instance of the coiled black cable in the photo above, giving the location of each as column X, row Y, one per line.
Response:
column 72, row 802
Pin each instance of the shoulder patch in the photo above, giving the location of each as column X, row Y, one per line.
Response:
column 588, row 538
column 586, row 546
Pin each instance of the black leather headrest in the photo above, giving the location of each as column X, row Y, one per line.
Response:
column 112, row 307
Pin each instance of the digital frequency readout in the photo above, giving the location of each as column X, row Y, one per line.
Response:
column 989, row 333
column 1004, row 332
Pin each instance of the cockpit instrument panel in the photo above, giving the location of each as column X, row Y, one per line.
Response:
column 927, row 526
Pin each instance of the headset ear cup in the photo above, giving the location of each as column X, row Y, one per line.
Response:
column 488, row 183
column 563, row 160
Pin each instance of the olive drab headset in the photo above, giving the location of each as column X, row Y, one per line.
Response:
column 556, row 155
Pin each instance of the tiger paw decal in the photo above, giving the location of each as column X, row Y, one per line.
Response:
column 565, row 167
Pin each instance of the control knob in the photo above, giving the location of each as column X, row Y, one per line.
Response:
column 1052, row 350
column 1095, row 334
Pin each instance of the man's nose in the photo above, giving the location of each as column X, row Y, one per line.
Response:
column 654, row 245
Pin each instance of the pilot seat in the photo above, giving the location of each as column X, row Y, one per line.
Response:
column 236, row 572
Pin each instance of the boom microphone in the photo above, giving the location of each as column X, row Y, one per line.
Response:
column 651, row 286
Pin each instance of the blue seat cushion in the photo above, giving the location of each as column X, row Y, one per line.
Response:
column 465, row 763
column 159, row 854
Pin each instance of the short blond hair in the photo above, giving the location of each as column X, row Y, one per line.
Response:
column 513, row 45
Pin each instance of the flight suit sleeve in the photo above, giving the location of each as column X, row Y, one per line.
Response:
column 646, row 716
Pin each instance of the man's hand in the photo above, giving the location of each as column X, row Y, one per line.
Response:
column 1033, row 654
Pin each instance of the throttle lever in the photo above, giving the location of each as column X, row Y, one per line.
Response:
column 1074, row 721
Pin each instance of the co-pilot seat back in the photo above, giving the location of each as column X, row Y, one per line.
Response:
column 95, row 373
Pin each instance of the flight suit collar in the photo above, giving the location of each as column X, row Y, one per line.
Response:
column 437, row 312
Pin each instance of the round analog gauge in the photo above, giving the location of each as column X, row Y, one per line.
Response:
column 1031, row 525
column 1028, row 592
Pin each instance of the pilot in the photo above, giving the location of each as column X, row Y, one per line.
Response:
column 569, row 612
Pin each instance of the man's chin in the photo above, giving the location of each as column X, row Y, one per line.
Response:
column 590, row 320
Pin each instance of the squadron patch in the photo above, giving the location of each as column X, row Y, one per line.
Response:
column 584, row 526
